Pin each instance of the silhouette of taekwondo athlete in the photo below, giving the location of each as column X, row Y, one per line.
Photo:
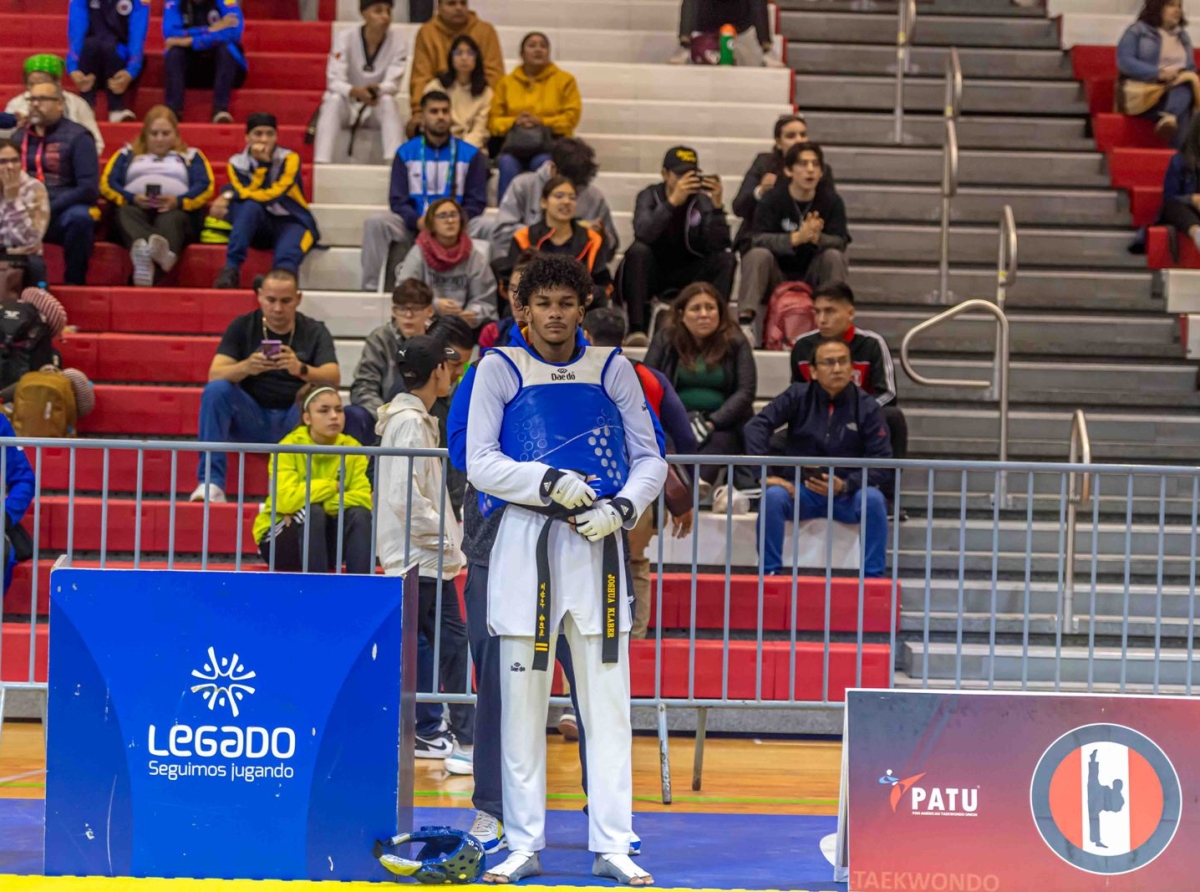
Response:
column 1101, row 798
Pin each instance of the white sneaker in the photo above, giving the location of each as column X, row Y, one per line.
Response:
column 489, row 832
column 161, row 253
column 681, row 56
column 771, row 60
column 216, row 495
column 461, row 761
column 440, row 746
column 121, row 117
column 143, row 265
column 568, row 727
column 222, row 117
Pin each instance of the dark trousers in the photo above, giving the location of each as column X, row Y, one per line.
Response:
column 727, row 442
column 710, row 15
column 322, row 532
column 1176, row 101
column 360, row 424
column 230, row 415
column 177, row 227
column 256, row 227
column 75, row 230
column 485, row 651
column 1179, row 214
column 100, row 56
column 35, row 272
column 452, row 660
column 645, row 273
column 420, row 10
column 214, row 69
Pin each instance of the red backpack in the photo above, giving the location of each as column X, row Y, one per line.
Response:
column 789, row 315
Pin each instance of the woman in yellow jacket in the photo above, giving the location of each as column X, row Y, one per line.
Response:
column 334, row 488
column 534, row 103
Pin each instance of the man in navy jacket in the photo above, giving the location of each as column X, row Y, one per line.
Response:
column 831, row 418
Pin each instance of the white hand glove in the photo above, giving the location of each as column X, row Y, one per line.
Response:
column 601, row 521
column 571, row 492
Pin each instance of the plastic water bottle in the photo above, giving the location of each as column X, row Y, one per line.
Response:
column 728, row 33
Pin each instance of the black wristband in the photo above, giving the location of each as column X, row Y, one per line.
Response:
column 625, row 509
column 549, row 482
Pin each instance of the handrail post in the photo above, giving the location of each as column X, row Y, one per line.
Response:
column 1079, row 441
column 906, row 19
column 952, row 108
column 1006, row 260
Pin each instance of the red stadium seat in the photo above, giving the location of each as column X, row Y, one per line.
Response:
column 1130, row 167
column 200, row 311
column 1158, row 251
column 14, row 652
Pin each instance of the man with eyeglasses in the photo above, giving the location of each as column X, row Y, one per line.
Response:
column 830, row 418
column 47, row 68
column 62, row 155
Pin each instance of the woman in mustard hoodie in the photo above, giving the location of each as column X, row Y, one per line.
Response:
column 334, row 488
column 535, row 103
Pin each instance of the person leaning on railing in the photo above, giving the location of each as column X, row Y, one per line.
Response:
column 309, row 491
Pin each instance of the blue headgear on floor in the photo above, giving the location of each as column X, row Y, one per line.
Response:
column 447, row 856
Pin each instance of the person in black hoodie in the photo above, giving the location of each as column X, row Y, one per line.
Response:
column 681, row 236
column 831, row 418
column 62, row 154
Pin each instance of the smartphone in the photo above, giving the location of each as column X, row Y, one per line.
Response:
column 270, row 349
column 153, row 190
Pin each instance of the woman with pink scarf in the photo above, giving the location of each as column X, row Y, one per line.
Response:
column 460, row 277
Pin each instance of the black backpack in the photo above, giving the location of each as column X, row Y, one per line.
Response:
column 25, row 343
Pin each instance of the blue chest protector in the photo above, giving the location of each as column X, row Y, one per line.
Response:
column 563, row 416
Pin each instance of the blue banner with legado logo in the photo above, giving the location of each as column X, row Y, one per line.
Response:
column 227, row 725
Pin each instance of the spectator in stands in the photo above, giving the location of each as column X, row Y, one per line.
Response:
column 308, row 493
column 437, row 36
column 106, row 40
column 47, row 68
column 263, row 360
column 746, row 16
column 62, row 154
column 559, row 232
column 465, row 82
column 800, row 234
column 428, row 167
column 871, row 370
column 375, row 376
column 264, row 203
column 203, row 50
column 454, row 333
column 160, row 188
column 832, row 419
column 362, row 80
column 767, row 173
column 20, row 484
column 508, row 275
column 460, row 277
column 522, row 205
column 681, row 236
column 534, row 104
column 710, row 364
column 24, row 212
column 412, row 526
column 1158, row 70
column 605, row 327
column 1181, row 188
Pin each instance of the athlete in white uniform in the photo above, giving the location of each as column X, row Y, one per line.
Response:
column 541, row 422
column 364, row 72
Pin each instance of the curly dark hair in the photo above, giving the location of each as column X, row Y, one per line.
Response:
column 548, row 271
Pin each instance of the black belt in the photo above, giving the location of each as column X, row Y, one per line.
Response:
column 610, row 587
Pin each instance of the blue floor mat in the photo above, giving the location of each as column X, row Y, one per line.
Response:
column 688, row 851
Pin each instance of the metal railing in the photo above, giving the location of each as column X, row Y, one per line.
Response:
column 906, row 20
column 1006, row 260
column 1080, row 448
column 952, row 108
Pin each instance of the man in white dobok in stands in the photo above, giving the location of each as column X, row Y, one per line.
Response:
column 560, row 438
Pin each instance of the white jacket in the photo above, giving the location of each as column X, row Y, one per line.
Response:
column 405, row 424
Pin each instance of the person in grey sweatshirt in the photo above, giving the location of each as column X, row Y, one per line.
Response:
column 375, row 374
column 461, row 278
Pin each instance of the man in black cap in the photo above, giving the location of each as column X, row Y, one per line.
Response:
column 681, row 236
column 264, row 203
column 416, row 524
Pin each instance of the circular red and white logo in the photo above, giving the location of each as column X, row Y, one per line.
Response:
column 1106, row 799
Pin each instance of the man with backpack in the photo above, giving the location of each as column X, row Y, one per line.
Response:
column 800, row 234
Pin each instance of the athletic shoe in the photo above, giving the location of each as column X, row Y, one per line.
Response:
column 681, row 56
column 771, row 59
column 461, row 761
column 123, row 116
column 637, row 339
column 216, row 495
column 222, row 117
column 489, row 832
column 568, row 727
column 437, row 747
column 229, row 277
column 143, row 265
column 161, row 253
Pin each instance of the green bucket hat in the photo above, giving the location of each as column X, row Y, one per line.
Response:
column 47, row 62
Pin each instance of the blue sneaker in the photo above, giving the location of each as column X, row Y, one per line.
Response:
column 635, row 845
column 489, row 832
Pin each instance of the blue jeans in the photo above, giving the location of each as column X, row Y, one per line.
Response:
column 1176, row 101
column 778, row 508
column 229, row 415
column 75, row 230
column 256, row 227
column 511, row 166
